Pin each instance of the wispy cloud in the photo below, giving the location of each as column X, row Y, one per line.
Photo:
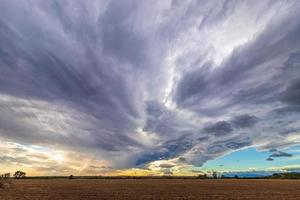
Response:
column 122, row 84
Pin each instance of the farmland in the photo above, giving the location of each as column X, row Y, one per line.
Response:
column 150, row 189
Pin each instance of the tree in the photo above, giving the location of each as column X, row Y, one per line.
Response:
column 202, row 176
column 4, row 180
column 19, row 174
column 215, row 174
column 223, row 176
column 71, row 176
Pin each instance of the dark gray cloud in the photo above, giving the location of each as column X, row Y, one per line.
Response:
column 219, row 128
column 118, row 38
column 235, row 82
column 273, row 150
column 244, row 84
column 238, row 145
column 164, row 121
column 68, row 70
column 167, row 150
column 181, row 159
column 167, row 165
column 277, row 154
column 134, row 82
column 197, row 171
column 292, row 93
column 289, row 131
column 244, row 121
column 193, row 83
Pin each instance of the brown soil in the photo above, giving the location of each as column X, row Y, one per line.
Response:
column 151, row 189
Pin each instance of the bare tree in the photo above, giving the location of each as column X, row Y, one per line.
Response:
column 5, row 180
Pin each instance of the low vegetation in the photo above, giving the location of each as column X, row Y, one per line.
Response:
column 292, row 175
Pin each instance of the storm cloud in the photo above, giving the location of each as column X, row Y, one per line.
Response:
column 127, row 83
column 277, row 154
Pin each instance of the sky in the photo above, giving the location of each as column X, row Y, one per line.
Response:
column 168, row 87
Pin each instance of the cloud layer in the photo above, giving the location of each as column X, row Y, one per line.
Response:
column 128, row 83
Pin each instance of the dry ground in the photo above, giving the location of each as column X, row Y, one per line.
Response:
column 146, row 189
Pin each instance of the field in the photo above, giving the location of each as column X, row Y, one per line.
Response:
column 151, row 189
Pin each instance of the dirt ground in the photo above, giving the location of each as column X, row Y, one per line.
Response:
column 151, row 189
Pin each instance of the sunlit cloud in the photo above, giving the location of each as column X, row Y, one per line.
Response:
column 156, row 88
